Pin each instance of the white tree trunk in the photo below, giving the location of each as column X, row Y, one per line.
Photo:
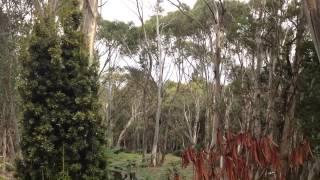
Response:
column 216, row 56
column 192, row 126
column 196, row 123
column 159, row 92
column 187, row 120
column 134, row 113
column 121, row 136
column 90, row 13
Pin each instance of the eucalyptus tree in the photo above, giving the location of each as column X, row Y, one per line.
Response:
column 13, row 26
column 128, row 108
column 282, row 37
column 262, row 54
column 184, row 107
column 116, row 40
column 195, row 38
column 255, row 66
column 90, row 15
column 159, row 70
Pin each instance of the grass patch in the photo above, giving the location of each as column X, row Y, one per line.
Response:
column 132, row 162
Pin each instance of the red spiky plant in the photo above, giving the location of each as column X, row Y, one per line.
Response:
column 240, row 157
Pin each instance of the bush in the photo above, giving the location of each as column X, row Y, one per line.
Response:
column 61, row 128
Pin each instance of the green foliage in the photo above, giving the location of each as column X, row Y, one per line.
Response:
column 179, row 24
column 122, row 35
column 237, row 21
column 308, row 107
column 126, row 162
column 61, row 129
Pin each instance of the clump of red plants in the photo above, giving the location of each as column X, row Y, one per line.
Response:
column 242, row 157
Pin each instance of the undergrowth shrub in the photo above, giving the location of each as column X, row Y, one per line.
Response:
column 242, row 156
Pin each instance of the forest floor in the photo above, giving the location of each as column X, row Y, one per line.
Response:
column 132, row 162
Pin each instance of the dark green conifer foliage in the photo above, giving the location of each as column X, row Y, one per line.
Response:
column 62, row 135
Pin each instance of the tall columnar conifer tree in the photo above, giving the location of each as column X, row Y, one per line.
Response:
column 62, row 134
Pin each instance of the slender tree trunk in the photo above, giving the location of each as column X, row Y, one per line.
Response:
column 196, row 122
column 192, row 126
column 4, row 150
column 201, row 137
column 187, row 120
column 291, row 93
column 255, row 120
column 124, row 131
column 272, row 89
column 227, row 113
column 144, row 143
column 134, row 108
column 110, row 133
column 89, row 25
column 216, row 56
column 287, row 130
column 164, row 146
column 147, row 75
column 159, row 93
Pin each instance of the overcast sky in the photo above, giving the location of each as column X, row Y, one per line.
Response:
column 124, row 10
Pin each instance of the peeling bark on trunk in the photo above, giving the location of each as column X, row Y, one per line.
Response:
column 216, row 121
column 291, row 96
column 90, row 14
column 255, row 120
